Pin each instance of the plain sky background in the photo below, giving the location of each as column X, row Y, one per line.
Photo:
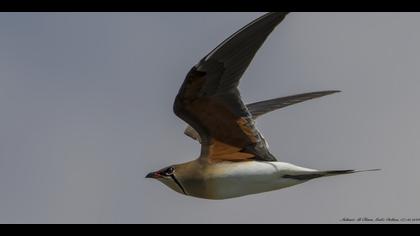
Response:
column 86, row 112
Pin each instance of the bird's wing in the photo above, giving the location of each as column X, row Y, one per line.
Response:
column 210, row 102
column 261, row 108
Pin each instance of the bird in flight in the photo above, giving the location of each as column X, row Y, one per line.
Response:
column 235, row 159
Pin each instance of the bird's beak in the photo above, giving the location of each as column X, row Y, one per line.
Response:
column 153, row 175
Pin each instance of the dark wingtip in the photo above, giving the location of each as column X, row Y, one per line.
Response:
column 333, row 91
column 330, row 92
column 277, row 14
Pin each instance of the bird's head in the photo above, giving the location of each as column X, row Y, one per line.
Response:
column 168, row 177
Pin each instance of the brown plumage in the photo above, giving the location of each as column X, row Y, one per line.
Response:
column 234, row 160
column 210, row 103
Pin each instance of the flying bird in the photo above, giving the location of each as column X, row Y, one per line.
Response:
column 235, row 159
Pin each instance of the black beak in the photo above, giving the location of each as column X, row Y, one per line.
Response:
column 152, row 175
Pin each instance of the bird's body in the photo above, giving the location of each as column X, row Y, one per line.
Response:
column 235, row 159
column 227, row 179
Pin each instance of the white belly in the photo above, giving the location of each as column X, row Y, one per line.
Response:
column 230, row 179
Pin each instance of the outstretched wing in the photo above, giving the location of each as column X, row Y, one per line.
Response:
column 210, row 102
column 261, row 108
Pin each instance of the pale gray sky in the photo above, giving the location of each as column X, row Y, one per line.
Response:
column 86, row 111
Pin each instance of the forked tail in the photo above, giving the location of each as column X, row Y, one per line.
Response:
column 345, row 172
column 319, row 174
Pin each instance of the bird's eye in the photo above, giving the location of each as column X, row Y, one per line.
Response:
column 169, row 171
